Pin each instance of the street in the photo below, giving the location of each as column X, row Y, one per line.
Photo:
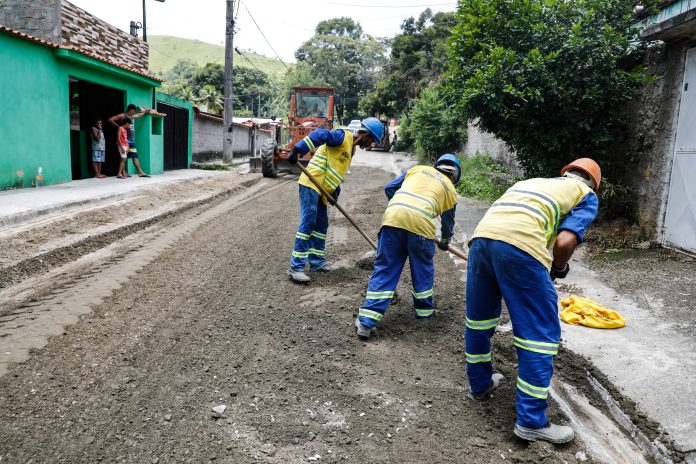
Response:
column 135, row 343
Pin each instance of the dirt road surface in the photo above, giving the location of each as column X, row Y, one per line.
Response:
column 127, row 348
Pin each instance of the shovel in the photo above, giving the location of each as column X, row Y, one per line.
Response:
column 369, row 256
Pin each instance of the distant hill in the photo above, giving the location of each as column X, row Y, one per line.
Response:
column 165, row 51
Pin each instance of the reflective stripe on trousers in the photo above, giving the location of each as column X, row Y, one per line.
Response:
column 498, row 270
column 394, row 247
column 310, row 238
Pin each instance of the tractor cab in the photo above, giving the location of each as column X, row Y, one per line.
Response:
column 310, row 108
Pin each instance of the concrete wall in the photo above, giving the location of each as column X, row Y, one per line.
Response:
column 87, row 32
column 651, row 134
column 486, row 143
column 208, row 139
column 40, row 18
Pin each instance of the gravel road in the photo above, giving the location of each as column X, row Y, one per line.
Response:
column 212, row 320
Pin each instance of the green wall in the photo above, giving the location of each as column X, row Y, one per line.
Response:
column 35, row 118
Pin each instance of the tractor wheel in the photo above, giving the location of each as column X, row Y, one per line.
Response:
column 268, row 167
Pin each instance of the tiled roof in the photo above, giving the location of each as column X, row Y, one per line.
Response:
column 91, row 55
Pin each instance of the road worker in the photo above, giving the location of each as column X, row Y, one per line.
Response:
column 416, row 198
column 334, row 153
column 509, row 257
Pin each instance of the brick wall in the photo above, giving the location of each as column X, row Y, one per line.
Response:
column 89, row 33
column 40, row 18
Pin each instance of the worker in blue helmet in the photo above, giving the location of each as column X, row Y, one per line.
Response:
column 329, row 165
column 416, row 198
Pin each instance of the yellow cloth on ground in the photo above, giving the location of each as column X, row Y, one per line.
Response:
column 583, row 311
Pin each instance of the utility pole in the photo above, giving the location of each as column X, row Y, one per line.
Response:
column 227, row 153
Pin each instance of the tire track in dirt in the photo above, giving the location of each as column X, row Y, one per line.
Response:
column 214, row 320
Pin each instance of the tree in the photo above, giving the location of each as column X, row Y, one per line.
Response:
column 211, row 98
column 347, row 59
column 435, row 128
column 212, row 74
column 418, row 57
column 547, row 77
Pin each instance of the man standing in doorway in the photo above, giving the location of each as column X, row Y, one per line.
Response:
column 132, row 113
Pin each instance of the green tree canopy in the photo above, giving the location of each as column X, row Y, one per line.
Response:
column 547, row 77
column 345, row 58
column 418, row 57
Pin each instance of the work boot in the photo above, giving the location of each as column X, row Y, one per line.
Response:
column 495, row 381
column 552, row 433
column 328, row 267
column 362, row 330
column 298, row 276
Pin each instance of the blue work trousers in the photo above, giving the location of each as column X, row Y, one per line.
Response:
column 310, row 239
column 395, row 245
column 498, row 270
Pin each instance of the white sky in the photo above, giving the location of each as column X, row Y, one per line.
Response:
column 286, row 23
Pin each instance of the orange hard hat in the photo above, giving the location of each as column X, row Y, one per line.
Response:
column 589, row 167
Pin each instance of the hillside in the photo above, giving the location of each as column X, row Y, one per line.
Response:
column 165, row 51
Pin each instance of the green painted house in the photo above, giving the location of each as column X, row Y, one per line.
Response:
column 54, row 84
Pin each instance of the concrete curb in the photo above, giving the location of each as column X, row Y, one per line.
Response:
column 74, row 205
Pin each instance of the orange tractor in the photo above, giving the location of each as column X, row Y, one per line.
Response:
column 310, row 108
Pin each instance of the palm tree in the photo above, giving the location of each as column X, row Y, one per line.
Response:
column 186, row 93
column 211, row 98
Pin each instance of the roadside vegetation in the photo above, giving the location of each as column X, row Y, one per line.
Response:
column 484, row 179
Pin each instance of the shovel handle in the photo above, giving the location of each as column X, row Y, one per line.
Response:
column 330, row 199
column 456, row 252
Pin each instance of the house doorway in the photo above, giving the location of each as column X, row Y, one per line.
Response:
column 680, row 217
column 176, row 130
column 89, row 101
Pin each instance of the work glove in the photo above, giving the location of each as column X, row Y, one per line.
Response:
column 443, row 244
column 557, row 273
column 336, row 193
column 293, row 156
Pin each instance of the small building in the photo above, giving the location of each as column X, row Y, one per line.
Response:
column 62, row 69
column 666, row 124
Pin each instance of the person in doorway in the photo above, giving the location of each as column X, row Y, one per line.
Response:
column 416, row 198
column 98, row 148
column 122, row 145
column 132, row 112
column 335, row 150
column 509, row 258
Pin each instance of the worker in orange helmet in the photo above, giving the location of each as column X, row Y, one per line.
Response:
column 509, row 259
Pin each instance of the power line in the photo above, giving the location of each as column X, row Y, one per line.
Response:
column 264, row 36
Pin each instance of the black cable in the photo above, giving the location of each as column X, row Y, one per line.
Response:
column 264, row 36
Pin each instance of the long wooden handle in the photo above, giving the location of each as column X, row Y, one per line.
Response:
column 335, row 203
column 456, row 252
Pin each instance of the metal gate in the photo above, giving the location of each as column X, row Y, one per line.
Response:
column 175, row 136
column 680, row 217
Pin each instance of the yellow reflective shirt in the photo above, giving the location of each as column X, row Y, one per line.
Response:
column 529, row 213
column 424, row 194
column 329, row 165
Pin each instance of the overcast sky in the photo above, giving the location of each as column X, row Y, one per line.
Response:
column 286, row 23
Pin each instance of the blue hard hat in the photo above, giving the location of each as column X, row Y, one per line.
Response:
column 452, row 160
column 374, row 127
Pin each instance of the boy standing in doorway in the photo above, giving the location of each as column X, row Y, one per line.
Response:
column 122, row 144
column 98, row 148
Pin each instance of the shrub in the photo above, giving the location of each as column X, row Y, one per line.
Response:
column 483, row 178
column 435, row 126
column 547, row 77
